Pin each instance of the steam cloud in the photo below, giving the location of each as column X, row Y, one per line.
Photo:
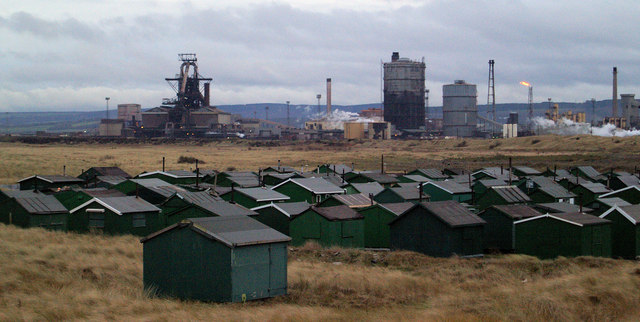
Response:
column 568, row 127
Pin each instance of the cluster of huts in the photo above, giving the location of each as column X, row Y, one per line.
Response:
column 238, row 224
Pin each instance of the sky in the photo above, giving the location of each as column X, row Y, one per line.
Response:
column 70, row 55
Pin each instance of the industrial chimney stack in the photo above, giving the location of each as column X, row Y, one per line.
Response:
column 614, row 103
column 328, row 97
column 207, row 99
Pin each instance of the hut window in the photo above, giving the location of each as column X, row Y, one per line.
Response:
column 139, row 220
column 96, row 220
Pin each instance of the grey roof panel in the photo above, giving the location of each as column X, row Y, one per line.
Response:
column 294, row 208
column 432, row 173
column 262, row 194
column 451, row 186
column 398, row 208
column 112, row 180
column 527, row 170
column 560, row 207
column 614, row 201
column 511, row 194
column 517, row 211
column 557, row 191
column 629, row 180
column 152, row 182
column 237, row 230
column 380, row 177
column 129, row 204
column 409, row 193
column 595, row 187
column 225, row 209
column 41, row 204
column 103, row 192
column 633, row 211
column 317, row 185
column 354, row 200
column 337, row 213
column 589, row 171
column 581, row 219
column 416, row 178
column 368, row 188
column 245, row 182
column 453, row 213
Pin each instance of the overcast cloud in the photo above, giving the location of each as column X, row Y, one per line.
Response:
column 69, row 55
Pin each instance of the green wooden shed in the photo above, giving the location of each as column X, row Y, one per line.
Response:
column 498, row 232
column 278, row 216
column 102, row 177
column 522, row 171
column 355, row 201
column 116, row 215
column 479, row 187
column 376, row 222
column 565, row 234
column 589, row 191
column 30, row 209
column 502, row 195
column 383, row 179
column 197, row 205
column 432, row 174
column 171, row 176
column 401, row 194
column 311, row 190
column 447, row 190
column 43, row 182
column 630, row 194
column 328, row 226
column 625, row 231
column 152, row 190
column 622, row 181
column 439, row 229
column 254, row 197
column 373, row 188
column 218, row 259
column 601, row 205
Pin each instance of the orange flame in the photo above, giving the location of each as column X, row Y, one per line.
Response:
column 525, row 84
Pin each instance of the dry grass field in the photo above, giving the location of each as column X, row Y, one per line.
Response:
column 18, row 160
column 62, row 276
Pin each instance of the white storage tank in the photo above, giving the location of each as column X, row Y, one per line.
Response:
column 460, row 109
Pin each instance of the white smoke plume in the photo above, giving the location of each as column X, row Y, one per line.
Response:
column 338, row 117
column 569, row 127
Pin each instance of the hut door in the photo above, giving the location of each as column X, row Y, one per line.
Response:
column 596, row 248
column 277, row 269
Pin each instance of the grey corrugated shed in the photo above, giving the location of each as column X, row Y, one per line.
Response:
column 614, row 201
column 432, row 173
column 354, row 200
column 129, row 204
column 511, row 194
column 629, row 180
column 316, row 185
column 223, row 208
column 595, row 187
column 398, row 208
column 231, row 231
column 633, row 211
column 556, row 207
column 416, row 178
column 368, row 188
column 581, row 219
column 527, row 170
column 112, row 180
column 41, row 204
column 294, row 208
column 589, row 171
column 557, row 191
column 56, row 179
column 337, row 213
column 453, row 213
column 517, row 211
column 262, row 194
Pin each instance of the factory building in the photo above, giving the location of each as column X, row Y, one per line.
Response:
column 630, row 109
column 404, row 92
column 460, row 109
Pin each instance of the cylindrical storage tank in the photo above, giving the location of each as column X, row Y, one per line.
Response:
column 404, row 92
column 459, row 109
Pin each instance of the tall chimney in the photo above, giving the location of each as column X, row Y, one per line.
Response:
column 207, row 98
column 614, row 103
column 328, row 96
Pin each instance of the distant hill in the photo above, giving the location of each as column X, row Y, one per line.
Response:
column 30, row 122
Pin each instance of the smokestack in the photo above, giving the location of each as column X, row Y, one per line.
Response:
column 328, row 96
column 206, row 94
column 614, row 104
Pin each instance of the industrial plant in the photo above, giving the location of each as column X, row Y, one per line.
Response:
column 403, row 112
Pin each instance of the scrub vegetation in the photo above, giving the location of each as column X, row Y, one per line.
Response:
column 19, row 160
column 47, row 275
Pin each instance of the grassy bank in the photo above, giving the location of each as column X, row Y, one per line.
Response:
column 63, row 276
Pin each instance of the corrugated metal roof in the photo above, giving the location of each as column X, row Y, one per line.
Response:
column 557, row 191
column 282, row 176
column 40, row 204
column 581, row 219
column 166, row 191
column 198, row 198
column 368, row 188
column 517, row 211
column 409, row 193
column 153, row 182
column 354, row 200
column 562, row 173
column 450, row 186
column 111, row 172
column 614, row 201
column 231, row 231
column 416, row 178
column 555, row 207
column 432, row 173
column 98, row 192
column 21, row 193
column 589, row 171
column 595, row 187
column 262, row 194
column 453, row 213
column 337, row 213
column 511, row 194
column 380, row 177
column 315, row 185
column 55, row 179
column 461, row 179
column 112, row 180
column 223, row 208
column 294, row 208
column 398, row 208
column 335, row 180
column 490, row 182
column 170, row 173
column 629, row 180
column 339, row 168
column 239, row 174
column 543, row 181
column 245, row 182
column 527, row 170
column 129, row 204
column 633, row 211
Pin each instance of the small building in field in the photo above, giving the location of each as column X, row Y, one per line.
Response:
column 601, row 205
column 567, row 234
column 587, row 172
column 42, row 182
column 383, row 179
column 183, row 205
column 90, row 176
column 152, row 190
column 447, row 190
column 376, row 222
column 409, row 193
column 218, row 259
column 373, row 188
column 254, row 197
column 278, row 216
column 29, row 209
column 171, row 176
column 588, row 192
column 439, row 229
column 498, row 232
column 625, row 231
column 502, row 195
column 116, row 216
column 630, row 194
column 75, row 197
column 311, row 190
column 328, row 226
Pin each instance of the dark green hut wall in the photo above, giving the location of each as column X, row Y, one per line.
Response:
column 498, row 232
column 631, row 196
column 296, row 193
column 376, row 226
column 258, row 271
column 312, row 226
column 12, row 213
column 190, row 211
column 114, row 224
column 388, row 196
column 180, row 264
column 274, row 219
column 624, row 236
